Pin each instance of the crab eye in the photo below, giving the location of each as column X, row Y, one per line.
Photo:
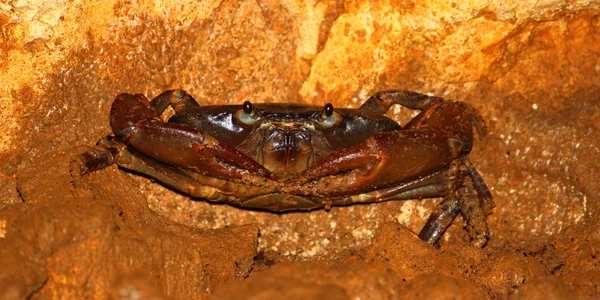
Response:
column 328, row 109
column 247, row 106
column 327, row 117
column 247, row 115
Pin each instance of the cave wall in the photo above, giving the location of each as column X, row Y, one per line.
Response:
column 530, row 68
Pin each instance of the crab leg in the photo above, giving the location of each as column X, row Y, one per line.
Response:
column 178, row 99
column 440, row 219
column 484, row 195
column 433, row 185
column 461, row 198
column 474, row 215
column 137, row 122
column 381, row 102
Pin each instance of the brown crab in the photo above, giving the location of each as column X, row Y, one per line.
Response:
column 283, row 157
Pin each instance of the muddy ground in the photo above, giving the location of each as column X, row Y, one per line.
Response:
column 534, row 79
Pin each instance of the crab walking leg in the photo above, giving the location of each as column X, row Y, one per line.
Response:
column 440, row 219
column 180, row 100
column 484, row 195
column 381, row 102
column 460, row 194
column 429, row 186
column 463, row 199
column 90, row 159
column 136, row 121
column 106, row 152
column 474, row 215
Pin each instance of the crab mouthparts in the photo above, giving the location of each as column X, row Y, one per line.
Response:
column 287, row 151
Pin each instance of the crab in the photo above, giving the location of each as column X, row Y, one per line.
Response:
column 283, row 157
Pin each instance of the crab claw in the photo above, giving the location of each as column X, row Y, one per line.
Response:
column 135, row 120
